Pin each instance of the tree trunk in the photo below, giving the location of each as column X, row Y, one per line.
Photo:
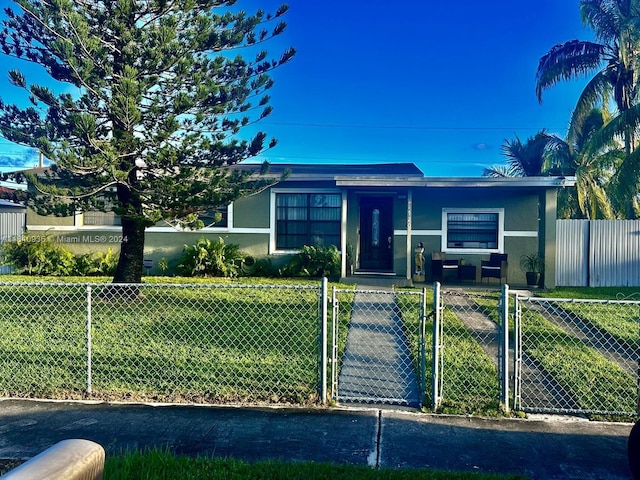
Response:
column 131, row 262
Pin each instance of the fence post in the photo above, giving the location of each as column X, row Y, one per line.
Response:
column 435, row 367
column 505, row 347
column 335, row 315
column 88, row 339
column 638, row 372
column 323, row 339
column 423, row 349
column 517, row 354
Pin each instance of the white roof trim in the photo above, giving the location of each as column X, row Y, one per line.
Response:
column 458, row 182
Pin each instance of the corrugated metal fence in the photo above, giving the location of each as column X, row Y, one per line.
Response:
column 12, row 225
column 598, row 253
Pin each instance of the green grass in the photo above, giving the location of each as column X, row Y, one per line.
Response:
column 162, row 465
column 602, row 293
column 594, row 382
column 410, row 306
column 260, row 345
column 345, row 304
column 172, row 344
column 618, row 319
column 469, row 375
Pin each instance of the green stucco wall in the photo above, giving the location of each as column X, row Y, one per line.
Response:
column 37, row 220
column 522, row 209
column 252, row 212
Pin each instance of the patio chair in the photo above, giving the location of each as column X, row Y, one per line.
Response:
column 436, row 265
column 450, row 269
column 495, row 267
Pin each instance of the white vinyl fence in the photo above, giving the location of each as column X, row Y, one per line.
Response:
column 598, row 253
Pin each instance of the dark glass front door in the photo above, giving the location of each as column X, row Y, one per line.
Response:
column 376, row 234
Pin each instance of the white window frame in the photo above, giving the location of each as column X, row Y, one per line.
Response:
column 447, row 211
column 273, row 212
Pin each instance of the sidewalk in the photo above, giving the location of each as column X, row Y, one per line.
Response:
column 539, row 449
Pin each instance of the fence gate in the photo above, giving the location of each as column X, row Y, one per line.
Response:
column 378, row 340
column 577, row 356
column 470, row 373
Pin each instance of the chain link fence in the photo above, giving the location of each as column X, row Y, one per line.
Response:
column 378, row 355
column 468, row 344
column 577, row 356
column 255, row 344
column 169, row 343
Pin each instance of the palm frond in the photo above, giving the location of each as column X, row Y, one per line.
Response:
column 605, row 17
column 619, row 126
column 500, row 171
column 569, row 60
column 594, row 93
column 625, row 184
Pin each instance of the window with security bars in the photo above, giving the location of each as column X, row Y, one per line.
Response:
column 475, row 230
column 106, row 217
column 307, row 219
column 100, row 218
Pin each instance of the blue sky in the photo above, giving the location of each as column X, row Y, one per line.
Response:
column 435, row 83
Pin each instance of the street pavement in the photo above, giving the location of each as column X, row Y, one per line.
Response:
column 544, row 448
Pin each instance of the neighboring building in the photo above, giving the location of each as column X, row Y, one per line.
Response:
column 380, row 212
column 13, row 218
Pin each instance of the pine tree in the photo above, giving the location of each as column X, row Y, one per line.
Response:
column 151, row 128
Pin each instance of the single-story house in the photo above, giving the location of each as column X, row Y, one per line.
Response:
column 379, row 214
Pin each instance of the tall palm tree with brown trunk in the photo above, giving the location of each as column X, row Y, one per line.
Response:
column 613, row 58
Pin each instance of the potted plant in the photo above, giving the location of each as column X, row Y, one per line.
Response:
column 533, row 267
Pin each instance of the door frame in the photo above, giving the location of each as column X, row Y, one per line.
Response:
column 380, row 264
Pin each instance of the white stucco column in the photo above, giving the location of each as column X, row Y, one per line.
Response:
column 409, row 221
column 343, row 236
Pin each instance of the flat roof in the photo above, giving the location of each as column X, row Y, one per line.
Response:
column 459, row 182
column 331, row 171
column 400, row 175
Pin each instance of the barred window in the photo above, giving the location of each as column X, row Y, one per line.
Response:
column 307, row 219
column 100, row 218
column 477, row 230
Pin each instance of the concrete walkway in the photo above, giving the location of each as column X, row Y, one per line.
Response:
column 540, row 449
column 376, row 366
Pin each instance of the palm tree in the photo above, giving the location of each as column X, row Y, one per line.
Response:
column 614, row 60
column 526, row 159
column 593, row 170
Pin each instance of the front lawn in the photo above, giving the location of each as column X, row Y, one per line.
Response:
column 194, row 342
column 161, row 465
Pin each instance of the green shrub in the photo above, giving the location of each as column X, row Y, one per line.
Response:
column 261, row 267
column 314, row 261
column 38, row 255
column 207, row 258
column 97, row 263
